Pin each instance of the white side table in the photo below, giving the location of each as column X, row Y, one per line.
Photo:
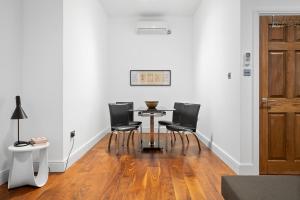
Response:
column 21, row 168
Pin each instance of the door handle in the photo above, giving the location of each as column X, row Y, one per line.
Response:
column 265, row 102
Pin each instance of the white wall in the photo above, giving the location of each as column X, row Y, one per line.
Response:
column 42, row 72
column 250, row 86
column 85, row 72
column 32, row 65
column 216, row 52
column 128, row 50
column 10, row 74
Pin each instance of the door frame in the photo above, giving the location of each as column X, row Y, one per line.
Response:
column 256, row 76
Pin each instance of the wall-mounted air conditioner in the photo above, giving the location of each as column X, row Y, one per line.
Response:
column 153, row 27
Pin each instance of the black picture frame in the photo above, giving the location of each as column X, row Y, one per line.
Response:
column 163, row 71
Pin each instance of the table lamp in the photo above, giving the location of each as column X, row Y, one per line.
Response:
column 19, row 114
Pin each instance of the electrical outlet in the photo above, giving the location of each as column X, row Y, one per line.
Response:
column 72, row 134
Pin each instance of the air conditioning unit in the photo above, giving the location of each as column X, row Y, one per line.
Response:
column 153, row 27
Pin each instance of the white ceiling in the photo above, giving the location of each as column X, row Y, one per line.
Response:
column 150, row 8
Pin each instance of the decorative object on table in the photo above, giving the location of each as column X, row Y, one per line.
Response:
column 21, row 170
column 19, row 114
column 38, row 141
column 150, row 77
column 151, row 104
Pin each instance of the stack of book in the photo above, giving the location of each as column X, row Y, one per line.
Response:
column 38, row 140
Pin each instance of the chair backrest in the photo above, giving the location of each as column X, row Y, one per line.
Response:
column 177, row 112
column 130, row 107
column 118, row 114
column 189, row 116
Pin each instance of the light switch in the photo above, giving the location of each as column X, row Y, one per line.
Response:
column 229, row 75
column 247, row 72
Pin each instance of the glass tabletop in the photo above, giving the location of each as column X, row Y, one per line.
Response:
column 156, row 110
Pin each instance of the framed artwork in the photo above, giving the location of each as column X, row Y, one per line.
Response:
column 150, row 77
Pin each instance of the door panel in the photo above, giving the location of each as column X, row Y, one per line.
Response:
column 280, row 95
column 297, row 74
column 277, row 33
column 277, row 136
column 297, row 136
column 297, row 33
column 277, row 68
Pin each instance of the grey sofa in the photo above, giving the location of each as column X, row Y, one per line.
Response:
column 261, row 187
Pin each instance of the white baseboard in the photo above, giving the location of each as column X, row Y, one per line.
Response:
column 236, row 166
column 223, row 155
column 54, row 166
column 4, row 176
column 81, row 151
column 59, row 166
column 248, row 169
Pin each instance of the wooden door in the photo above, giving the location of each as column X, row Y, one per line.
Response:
column 280, row 95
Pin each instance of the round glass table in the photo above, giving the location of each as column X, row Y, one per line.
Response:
column 152, row 113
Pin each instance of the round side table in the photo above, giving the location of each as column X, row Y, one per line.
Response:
column 21, row 167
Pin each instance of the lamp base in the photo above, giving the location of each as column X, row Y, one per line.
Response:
column 21, row 144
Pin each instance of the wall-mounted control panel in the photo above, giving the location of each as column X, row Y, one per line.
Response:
column 247, row 72
column 247, row 63
column 247, row 59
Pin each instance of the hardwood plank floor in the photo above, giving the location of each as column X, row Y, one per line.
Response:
column 134, row 175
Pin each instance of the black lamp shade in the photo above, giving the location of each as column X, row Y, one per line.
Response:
column 19, row 112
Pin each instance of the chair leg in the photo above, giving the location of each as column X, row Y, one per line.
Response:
column 117, row 143
column 182, row 141
column 174, row 137
column 132, row 137
column 187, row 138
column 158, row 129
column 166, row 140
column 172, row 141
column 116, row 137
column 123, row 142
column 111, row 134
column 158, row 139
column 197, row 142
column 128, row 138
column 171, row 135
column 141, row 140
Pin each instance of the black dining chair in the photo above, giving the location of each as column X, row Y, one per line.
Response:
column 131, row 119
column 131, row 115
column 119, row 120
column 187, row 124
column 175, row 118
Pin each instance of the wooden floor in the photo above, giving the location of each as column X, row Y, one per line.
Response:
column 103, row 175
